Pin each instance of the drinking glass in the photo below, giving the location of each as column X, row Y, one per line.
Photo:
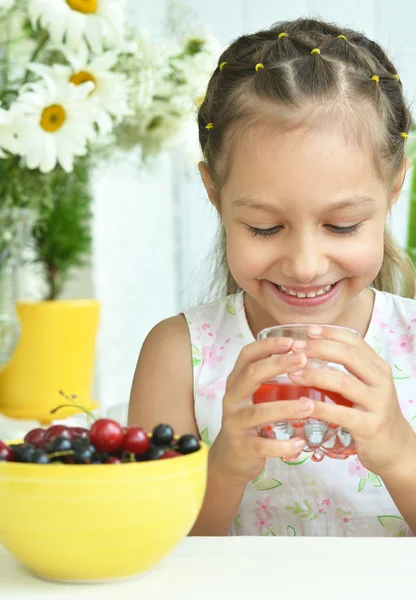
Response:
column 321, row 439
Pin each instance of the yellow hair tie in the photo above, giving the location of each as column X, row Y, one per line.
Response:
column 283, row 34
column 259, row 66
column 404, row 135
column 209, row 126
column 375, row 78
column 315, row 51
column 342, row 37
column 222, row 65
column 396, row 77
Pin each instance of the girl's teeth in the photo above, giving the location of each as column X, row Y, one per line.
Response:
column 309, row 295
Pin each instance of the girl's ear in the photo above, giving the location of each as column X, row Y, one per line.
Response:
column 395, row 193
column 208, row 182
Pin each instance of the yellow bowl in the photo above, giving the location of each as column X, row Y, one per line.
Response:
column 99, row 522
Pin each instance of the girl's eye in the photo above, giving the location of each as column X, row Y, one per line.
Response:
column 265, row 232
column 344, row 230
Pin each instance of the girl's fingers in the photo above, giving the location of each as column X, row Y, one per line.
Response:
column 353, row 419
column 257, row 373
column 255, row 415
column 257, row 351
column 331, row 380
column 275, row 449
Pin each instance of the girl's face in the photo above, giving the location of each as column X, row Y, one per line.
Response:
column 304, row 215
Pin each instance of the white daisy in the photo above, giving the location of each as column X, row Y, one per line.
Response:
column 6, row 5
column 99, row 22
column 55, row 125
column 8, row 131
column 110, row 92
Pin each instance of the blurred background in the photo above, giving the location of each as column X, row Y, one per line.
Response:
column 151, row 225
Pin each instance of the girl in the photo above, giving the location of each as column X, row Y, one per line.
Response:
column 303, row 131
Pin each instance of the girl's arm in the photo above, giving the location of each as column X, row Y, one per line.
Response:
column 162, row 392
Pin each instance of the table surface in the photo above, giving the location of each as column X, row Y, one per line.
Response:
column 245, row 567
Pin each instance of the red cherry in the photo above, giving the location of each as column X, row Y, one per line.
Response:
column 36, row 437
column 136, row 440
column 113, row 460
column 6, row 452
column 107, row 435
column 80, row 432
column 170, row 454
column 57, row 431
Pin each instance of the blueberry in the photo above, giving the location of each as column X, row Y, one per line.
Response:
column 84, row 456
column 153, row 453
column 40, row 457
column 162, row 435
column 188, row 444
column 23, row 453
column 60, row 444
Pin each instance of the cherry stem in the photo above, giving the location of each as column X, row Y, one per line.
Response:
column 61, row 453
column 89, row 414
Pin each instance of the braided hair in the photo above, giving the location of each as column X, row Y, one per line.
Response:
column 306, row 67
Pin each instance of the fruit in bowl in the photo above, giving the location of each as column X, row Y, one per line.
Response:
column 101, row 503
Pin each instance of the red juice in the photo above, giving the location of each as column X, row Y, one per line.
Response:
column 273, row 391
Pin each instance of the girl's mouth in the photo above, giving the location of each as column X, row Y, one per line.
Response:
column 307, row 297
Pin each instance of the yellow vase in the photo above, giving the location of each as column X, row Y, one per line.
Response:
column 56, row 351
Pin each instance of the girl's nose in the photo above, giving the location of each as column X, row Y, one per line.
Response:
column 304, row 262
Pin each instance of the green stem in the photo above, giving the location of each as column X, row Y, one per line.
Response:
column 411, row 232
column 42, row 41
column 82, row 408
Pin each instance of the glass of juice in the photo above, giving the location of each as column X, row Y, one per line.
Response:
column 322, row 439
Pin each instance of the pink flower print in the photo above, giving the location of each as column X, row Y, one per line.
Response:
column 321, row 504
column 266, row 507
column 384, row 325
column 210, row 390
column 402, row 344
column 210, row 357
column 205, row 326
column 356, row 469
column 263, row 522
column 227, row 341
column 348, row 522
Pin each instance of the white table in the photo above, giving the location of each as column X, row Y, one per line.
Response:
column 249, row 567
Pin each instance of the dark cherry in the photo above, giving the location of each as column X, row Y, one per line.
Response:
column 113, row 460
column 80, row 432
column 6, row 453
column 107, row 435
column 57, row 431
column 170, row 454
column 188, row 444
column 162, row 435
column 136, row 440
column 36, row 437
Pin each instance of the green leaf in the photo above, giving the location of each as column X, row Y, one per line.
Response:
column 413, row 421
column 196, row 356
column 374, row 480
column 241, row 336
column 258, row 477
column 289, row 527
column 392, row 522
column 296, row 462
column 267, row 484
column 303, row 513
column 237, row 521
column 205, row 438
column 231, row 309
column 362, row 484
column 396, row 367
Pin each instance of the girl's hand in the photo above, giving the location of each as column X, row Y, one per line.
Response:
column 381, row 433
column 239, row 452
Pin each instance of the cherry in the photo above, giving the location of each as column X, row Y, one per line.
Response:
column 136, row 440
column 80, row 432
column 113, row 460
column 6, row 453
column 162, row 435
column 57, row 431
column 107, row 435
column 187, row 444
column 36, row 437
column 170, row 454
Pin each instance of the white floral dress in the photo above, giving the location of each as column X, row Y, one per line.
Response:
column 337, row 498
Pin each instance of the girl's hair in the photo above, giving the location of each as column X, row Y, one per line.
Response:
column 311, row 70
